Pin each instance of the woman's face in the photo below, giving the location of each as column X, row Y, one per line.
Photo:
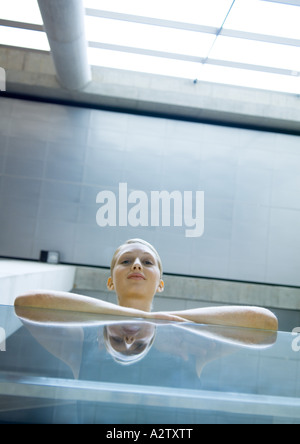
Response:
column 136, row 277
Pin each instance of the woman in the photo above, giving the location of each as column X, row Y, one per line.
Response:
column 136, row 276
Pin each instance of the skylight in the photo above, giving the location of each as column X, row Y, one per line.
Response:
column 24, row 38
column 264, row 17
column 21, row 25
column 201, row 12
column 251, row 43
column 21, row 11
column 148, row 37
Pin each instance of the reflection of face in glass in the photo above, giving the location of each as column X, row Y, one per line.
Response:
column 129, row 342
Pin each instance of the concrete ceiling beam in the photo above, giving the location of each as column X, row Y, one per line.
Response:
column 65, row 28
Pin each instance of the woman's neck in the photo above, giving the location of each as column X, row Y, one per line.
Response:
column 136, row 303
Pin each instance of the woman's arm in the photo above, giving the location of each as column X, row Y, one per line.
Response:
column 235, row 316
column 60, row 300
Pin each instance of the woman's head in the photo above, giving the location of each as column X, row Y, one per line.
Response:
column 136, row 274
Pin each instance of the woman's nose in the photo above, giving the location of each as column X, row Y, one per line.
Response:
column 129, row 340
column 137, row 265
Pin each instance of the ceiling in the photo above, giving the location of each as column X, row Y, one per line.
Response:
column 248, row 43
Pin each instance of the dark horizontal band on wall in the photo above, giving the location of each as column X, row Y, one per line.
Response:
column 167, row 111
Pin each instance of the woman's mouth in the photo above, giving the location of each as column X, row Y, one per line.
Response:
column 136, row 276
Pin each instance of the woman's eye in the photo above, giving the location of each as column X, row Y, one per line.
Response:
column 148, row 263
column 139, row 346
column 128, row 261
column 116, row 339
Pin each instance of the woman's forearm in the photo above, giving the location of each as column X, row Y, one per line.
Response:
column 59, row 300
column 235, row 316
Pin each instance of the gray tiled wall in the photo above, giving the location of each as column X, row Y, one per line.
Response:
column 55, row 159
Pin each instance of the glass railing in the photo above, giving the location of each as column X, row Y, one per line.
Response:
column 63, row 367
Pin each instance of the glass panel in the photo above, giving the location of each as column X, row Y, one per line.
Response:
column 24, row 38
column 142, row 63
column 256, row 53
column 250, row 79
column 203, row 12
column 265, row 18
column 189, row 70
column 21, row 11
column 62, row 367
column 158, row 38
